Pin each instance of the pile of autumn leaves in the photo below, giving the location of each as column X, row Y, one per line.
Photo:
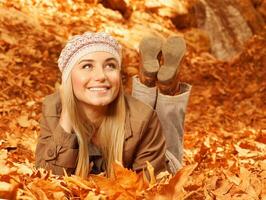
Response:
column 19, row 181
column 224, row 157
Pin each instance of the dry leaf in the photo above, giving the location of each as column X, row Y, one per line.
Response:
column 23, row 121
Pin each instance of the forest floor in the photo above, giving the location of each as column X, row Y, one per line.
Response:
column 225, row 135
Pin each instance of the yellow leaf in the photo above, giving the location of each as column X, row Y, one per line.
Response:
column 4, row 186
column 23, row 121
column 30, row 103
column 12, row 140
column 223, row 189
column 92, row 196
column 231, row 177
column 23, row 169
column 151, row 173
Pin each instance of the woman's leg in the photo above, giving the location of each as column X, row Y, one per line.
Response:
column 173, row 96
column 144, row 85
column 171, row 102
column 144, row 93
column 171, row 112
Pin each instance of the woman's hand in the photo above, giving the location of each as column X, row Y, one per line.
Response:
column 64, row 120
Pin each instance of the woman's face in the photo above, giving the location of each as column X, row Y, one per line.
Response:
column 96, row 79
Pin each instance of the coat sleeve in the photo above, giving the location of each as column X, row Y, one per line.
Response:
column 151, row 147
column 56, row 149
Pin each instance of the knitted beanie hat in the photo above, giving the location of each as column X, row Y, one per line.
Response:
column 80, row 45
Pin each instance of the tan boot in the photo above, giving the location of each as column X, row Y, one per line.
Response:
column 149, row 48
column 173, row 51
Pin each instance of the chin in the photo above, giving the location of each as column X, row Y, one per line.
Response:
column 100, row 102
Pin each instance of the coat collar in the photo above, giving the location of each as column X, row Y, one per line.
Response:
column 128, row 127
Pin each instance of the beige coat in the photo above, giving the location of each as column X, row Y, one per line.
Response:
column 144, row 140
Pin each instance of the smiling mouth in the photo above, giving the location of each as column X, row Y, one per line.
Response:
column 98, row 88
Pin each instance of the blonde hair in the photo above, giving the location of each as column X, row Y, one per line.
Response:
column 110, row 133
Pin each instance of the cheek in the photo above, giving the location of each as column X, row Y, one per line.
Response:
column 116, row 80
column 77, row 81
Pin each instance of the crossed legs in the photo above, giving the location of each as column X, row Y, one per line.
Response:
column 159, row 87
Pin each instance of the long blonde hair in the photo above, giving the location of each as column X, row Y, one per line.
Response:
column 110, row 133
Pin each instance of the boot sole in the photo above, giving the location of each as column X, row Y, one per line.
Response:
column 173, row 51
column 149, row 49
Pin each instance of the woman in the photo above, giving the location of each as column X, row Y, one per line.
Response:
column 90, row 123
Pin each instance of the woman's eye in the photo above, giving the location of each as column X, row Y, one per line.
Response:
column 111, row 66
column 87, row 66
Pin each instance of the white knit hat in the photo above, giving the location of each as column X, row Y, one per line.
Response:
column 81, row 45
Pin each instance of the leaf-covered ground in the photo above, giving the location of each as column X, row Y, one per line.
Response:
column 225, row 136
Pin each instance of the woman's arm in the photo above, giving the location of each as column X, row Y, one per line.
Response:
column 151, row 147
column 56, row 149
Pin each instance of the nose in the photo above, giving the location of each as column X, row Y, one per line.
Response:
column 99, row 74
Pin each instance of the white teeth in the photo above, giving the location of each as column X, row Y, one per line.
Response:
column 97, row 89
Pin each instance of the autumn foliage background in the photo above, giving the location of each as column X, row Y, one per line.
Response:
column 225, row 135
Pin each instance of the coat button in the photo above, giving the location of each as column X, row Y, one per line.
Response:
column 50, row 152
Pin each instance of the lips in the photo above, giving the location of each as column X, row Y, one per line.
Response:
column 99, row 88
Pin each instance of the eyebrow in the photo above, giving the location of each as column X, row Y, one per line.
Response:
column 110, row 59
column 86, row 60
column 91, row 60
